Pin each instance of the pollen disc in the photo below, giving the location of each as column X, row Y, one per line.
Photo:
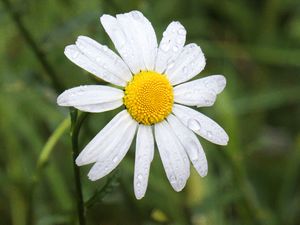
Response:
column 149, row 97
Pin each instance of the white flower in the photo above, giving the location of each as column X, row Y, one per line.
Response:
column 155, row 94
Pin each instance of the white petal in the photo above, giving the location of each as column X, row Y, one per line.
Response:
column 101, row 107
column 145, row 37
column 170, row 46
column 191, row 144
column 134, row 38
column 104, row 57
column 141, row 33
column 201, row 92
column 80, row 59
column 88, row 95
column 92, row 98
column 201, row 124
column 113, row 155
column 188, row 64
column 173, row 156
column 125, row 46
column 109, row 136
column 143, row 158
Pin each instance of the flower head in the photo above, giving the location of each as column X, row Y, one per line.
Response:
column 155, row 95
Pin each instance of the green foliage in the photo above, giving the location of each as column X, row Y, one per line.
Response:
column 253, row 180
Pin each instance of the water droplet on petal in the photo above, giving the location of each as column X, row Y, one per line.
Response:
column 181, row 182
column 135, row 15
column 208, row 102
column 140, row 177
column 209, row 134
column 194, row 124
column 115, row 159
column 182, row 31
column 172, row 179
column 105, row 48
column 171, row 65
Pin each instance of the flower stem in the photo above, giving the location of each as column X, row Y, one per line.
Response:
column 76, row 122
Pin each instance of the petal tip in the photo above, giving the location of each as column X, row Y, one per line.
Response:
column 203, row 173
column 104, row 18
column 139, row 196
column 61, row 100
column 92, row 177
column 79, row 161
column 71, row 51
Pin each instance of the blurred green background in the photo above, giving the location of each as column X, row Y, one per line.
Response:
column 253, row 180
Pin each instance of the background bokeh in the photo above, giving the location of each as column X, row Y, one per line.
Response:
column 253, row 180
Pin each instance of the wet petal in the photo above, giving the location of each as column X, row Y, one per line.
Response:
column 201, row 124
column 188, row 64
column 201, row 92
column 191, row 144
column 80, row 59
column 170, row 46
column 134, row 38
column 173, row 156
column 104, row 57
column 143, row 158
column 106, row 139
column 110, row 158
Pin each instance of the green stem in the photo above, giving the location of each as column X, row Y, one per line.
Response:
column 51, row 142
column 76, row 123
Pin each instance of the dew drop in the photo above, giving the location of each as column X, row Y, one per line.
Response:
column 135, row 15
column 180, row 181
column 139, row 177
column 138, row 184
column 184, row 69
column 194, row 124
column 182, row 31
column 175, row 48
column 115, row 159
column 104, row 66
column 171, row 65
column 172, row 179
column 208, row 102
column 209, row 134
column 105, row 48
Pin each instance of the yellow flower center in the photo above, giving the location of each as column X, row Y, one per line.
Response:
column 149, row 97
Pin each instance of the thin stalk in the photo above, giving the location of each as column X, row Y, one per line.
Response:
column 76, row 122
column 51, row 142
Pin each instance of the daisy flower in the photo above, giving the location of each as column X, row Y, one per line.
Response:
column 149, row 80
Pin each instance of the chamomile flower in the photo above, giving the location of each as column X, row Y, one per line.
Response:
column 151, row 80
